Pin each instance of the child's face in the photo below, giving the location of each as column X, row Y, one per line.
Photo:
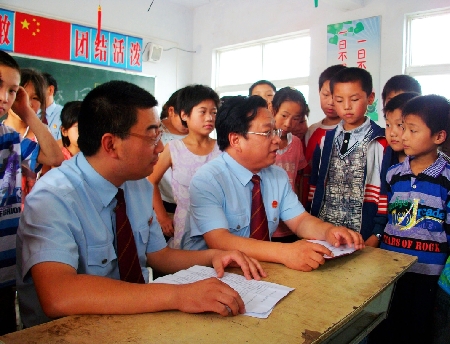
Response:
column 326, row 101
column 9, row 85
column 417, row 138
column 202, row 118
column 350, row 102
column 394, row 130
column 72, row 134
column 266, row 92
column 35, row 104
column 289, row 115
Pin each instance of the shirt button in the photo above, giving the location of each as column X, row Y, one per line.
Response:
column 104, row 261
column 414, row 186
column 345, row 141
column 238, row 227
column 274, row 219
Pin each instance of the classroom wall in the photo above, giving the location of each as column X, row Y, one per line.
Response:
column 167, row 24
column 226, row 22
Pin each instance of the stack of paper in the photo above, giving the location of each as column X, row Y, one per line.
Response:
column 342, row 250
column 259, row 297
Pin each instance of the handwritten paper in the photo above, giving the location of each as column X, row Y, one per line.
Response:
column 259, row 297
column 342, row 250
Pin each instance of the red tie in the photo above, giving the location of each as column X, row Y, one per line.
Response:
column 259, row 228
column 129, row 267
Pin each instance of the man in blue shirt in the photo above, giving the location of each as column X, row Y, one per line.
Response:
column 53, row 111
column 67, row 242
column 221, row 194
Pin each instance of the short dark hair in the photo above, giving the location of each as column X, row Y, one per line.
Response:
column 398, row 102
column 289, row 94
column 353, row 74
column 69, row 116
column 171, row 102
column 261, row 82
column 8, row 61
column 192, row 95
column 434, row 110
column 110, row 108
column 400, row 82
column 30, row 75
column 328, row 73
column 51, row 81
column 235, row 116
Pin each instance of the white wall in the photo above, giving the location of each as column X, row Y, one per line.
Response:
column 167, row 24
column 227, row 22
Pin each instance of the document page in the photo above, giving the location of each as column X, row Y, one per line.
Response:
column 259, row 297
column 342, row 250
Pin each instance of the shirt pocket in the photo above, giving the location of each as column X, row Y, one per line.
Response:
column 237, row 222
column 101, row 256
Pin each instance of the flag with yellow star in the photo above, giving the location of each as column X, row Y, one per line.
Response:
column 40, row 36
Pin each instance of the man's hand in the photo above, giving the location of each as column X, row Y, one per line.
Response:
column 209, row 295
column 304, row 255
column 250, row 266
column 337, row 236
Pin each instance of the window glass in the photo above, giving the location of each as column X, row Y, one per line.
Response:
column 435, row 84
column 287, row 59
column 428, row 45
column 239, row 66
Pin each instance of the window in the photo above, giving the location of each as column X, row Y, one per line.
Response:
column 282, row 60
column 427, row 51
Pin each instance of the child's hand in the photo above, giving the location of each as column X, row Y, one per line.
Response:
column 21, row 105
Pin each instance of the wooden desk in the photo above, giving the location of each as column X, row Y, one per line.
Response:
column 338, row 303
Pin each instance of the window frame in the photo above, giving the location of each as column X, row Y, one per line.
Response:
column 423, row 70
column 297, row 81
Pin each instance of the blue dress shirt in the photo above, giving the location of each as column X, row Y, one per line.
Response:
column 221, row 193
column 53, row 115
column 69, row 218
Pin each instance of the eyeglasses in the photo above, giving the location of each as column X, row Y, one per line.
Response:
column 269, row 134
column 151, row 140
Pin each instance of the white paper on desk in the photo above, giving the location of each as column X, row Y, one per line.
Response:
column 337, row 251
column 259, row 297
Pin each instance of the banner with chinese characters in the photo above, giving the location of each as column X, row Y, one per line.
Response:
column 38, row 36
column 357, row 43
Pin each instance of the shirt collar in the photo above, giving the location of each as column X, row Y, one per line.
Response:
column 239, row 171
column 360, row 130
column 434, row 170
column 95, row 181
column 50, row 109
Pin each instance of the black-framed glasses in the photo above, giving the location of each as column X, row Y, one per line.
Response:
column 268, row 134
column 151, row 140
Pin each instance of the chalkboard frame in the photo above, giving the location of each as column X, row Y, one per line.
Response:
column 76, row 80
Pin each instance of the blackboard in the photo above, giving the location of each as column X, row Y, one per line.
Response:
column 75, row 81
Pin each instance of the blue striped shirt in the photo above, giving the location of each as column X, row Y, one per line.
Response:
column 418, row 214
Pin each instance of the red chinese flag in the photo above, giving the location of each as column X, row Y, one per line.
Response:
column 43, row 37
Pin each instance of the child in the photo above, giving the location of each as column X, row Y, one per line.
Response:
column 198, row 108
column 345, row 179
column 441, row 312
column 69, row 129
column 27, row 151
column 34, row 84
column 289, row 108
column 399, row 84
column 331, row 119
column 418, row 217
column 172, row 129
column 264, row 89
column 393, row 155
column 317, row 131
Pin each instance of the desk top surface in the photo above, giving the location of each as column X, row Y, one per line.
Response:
column 323, row 301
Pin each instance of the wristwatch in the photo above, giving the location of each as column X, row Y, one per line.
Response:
column 378, row 236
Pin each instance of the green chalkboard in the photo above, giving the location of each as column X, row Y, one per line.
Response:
column 75, row 81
